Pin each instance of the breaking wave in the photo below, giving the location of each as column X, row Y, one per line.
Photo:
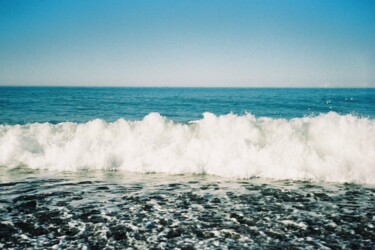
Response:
column 328, row 147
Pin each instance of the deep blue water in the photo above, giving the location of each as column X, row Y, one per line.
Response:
column 21, row 105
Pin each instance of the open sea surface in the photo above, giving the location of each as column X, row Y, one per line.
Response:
column 187, row 168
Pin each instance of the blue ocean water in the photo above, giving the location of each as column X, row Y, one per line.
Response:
column 187, row 168
column 20, row 105
column 300, row 134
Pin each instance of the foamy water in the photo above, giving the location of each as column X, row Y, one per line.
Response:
column 73, row 164
column 328, row 147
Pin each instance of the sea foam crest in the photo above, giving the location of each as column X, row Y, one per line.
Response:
column 328, row 147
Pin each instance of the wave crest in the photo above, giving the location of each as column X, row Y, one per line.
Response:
column 328, row 147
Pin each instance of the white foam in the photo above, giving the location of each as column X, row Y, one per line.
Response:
column 328, row 147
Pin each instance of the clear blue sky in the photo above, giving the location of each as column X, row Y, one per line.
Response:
column 304, row 43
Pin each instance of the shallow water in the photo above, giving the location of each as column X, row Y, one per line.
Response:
column 100, row 210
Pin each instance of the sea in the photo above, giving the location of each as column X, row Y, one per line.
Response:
column 187, row 168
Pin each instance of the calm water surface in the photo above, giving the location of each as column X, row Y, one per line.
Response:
column 21, row 105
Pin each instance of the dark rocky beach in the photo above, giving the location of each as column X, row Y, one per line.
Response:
column 116, row 211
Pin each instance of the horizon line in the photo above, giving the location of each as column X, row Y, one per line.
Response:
column 202, row 86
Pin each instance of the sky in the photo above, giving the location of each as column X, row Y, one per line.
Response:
column 208, row 43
